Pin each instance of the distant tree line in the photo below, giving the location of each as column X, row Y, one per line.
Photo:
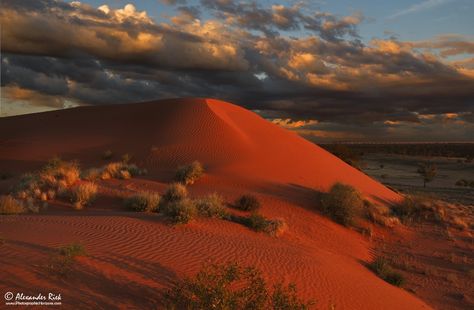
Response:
column 460, row 150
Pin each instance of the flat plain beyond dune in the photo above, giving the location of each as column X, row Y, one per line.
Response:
column 133, row 256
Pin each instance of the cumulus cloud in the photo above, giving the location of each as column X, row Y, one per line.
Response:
column 245, row 53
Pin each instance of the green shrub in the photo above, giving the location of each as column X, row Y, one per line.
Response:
column 343, row 204
column 188, row 174
column 212, row 206
column 61, row 263
column 231, row 287
column 175, row 192
column 83, row 194
column 179, row 211
column 381, row 267
column 10, row 205
column 247, row 203
column 143, row 202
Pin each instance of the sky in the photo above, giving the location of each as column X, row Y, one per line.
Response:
column 365, row 70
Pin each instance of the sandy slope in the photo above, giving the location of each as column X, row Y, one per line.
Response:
column 133, row 256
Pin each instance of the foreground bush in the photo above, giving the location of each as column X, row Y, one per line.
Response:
column 188, row 174
column 83, row 194
column 180, row 211
column 381, row 267
column 143, row 202
column 10, row 205
column 212, row 206
column 175, row 192
column 62, row 262
column 247, row 203
column 120, row 170
column 259, row 223
column 231, row 287
column 343, row 203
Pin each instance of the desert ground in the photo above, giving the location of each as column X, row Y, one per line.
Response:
column 132, row 257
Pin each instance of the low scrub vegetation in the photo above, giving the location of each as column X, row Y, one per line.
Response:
column 380, row 214
column 343, row 203
column 143, row 202
column 247, row 203
column 61, row 263
column 180, row 211
column 212, row 206
column 259, row 223
column 188, row 174
column 120, row 170
column 83, row 194
column 175, row 192
column 10, row 205
column 107, row 155
column 381, row 267
column 232, row 287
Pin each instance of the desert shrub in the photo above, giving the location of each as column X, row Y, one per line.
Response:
column 259, row 223
column 175, row 192
column 380, row 214
column 381, row 267
column 72, row 250
column 247, row 203
column 61, row 263
column 107, row 155
column 91, row 174
column 179, row 211
column 143, row 202
column 126, row 158
column 83, row 194
column 188, row 174
column 414, row 208
column 231, row 287
column 60, row 170
column 10, row 205
column 343, row 203
column 119, row 170
column 212, row 206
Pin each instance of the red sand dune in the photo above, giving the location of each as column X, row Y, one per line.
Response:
column 133, row 256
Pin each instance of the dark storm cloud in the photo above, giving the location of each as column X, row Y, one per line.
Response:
column 245, row 55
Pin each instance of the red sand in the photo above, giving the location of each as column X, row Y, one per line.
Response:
column 132, row 255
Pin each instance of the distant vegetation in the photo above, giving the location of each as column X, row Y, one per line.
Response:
column 259, row 223
column 188, row 174
column 460, row 150
column 465, row 183
column 427, row 171
column 345, row 152
column 10, row 205
column 232, row 287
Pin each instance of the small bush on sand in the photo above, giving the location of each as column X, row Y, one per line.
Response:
column 247, row 203
column 143, row 202
column 180, row 211
column 380, row 214
column 343, row 204
column 259, row 223
column 231, row 287
column 119, row 170
column 10, row 205
column 57, row 169
column 212, row 206
column 72, row 250
column 91, row 174
column 61, row 263
column 381, row 267
column 188, row 174
column 83, row 194
column 175, row 192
